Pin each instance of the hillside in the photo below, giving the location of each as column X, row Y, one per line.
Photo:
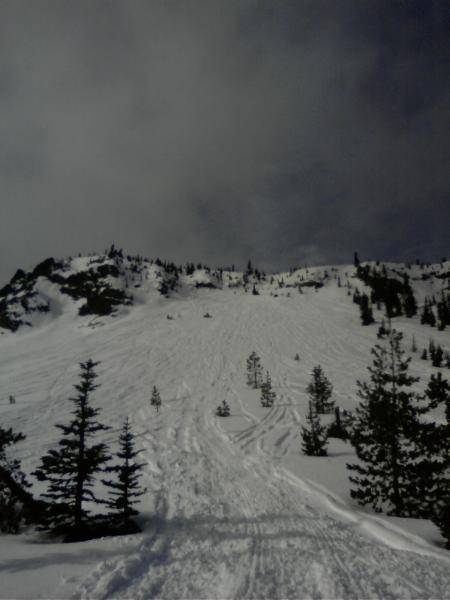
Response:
column 233, row 509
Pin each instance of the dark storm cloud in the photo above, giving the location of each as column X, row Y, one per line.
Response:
column 204, row 130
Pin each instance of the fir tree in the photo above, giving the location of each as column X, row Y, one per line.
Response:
column 427, row 317
column 413, row 345
column 338, row 428
column 267, row 394
column 320, row 391
column 12, row 483
column 437, row 357
column 254, row 370
column 314, row 438
column 70, row 469
column 365, row 310
column 155, row 399
column 124, row 489
column 424, row 355
column 384, row 431
column 410, row 305
column 382, row 331
column 223, row 410
column 432, row 482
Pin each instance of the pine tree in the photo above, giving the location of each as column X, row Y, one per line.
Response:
column 254, row 370
column 223, row 410
column 70, row 469
column 314, row 438
column 432, row 482
column 424, row 355
column 365, row 310
column 12, row 483
column 320, row 391
column 338, row 428
column 384, row 432
column 124, row 489
column 155, row 399
column 437, row 357
column 427, row 317
column 409, row 303
column 267, row 394
column 413, row 345
column 382, row 331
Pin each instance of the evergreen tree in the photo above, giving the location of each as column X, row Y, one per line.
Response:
column 365, row 310
column 223, row 410
column 413, row 344
column 12, row 483
column 382, row 331
column 338, row 428
column 424, row 355
column 267, row 394
column 314, row 438
column 427, row 317
column 384, row 432
column 437, row 357
column 70, row 469
column 320, row 391
column 432, row 482
column 254, row 370
column 155, row 399
column 124, row 489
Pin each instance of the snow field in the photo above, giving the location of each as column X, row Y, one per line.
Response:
column 233, row 509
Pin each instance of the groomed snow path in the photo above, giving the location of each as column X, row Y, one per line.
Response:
column 225, row 517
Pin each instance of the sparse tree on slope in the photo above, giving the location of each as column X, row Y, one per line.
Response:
column 223, row 410
column 254, row 370
column 267, row 394
column 320, row 391
column 70, row 469
column 384, row 432
column 314, row 437
column 124, row 489
column 155, row 399
column 366, row 312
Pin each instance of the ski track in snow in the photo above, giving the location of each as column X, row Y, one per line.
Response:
column 225, row 517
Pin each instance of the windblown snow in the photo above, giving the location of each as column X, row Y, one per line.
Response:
column 232, row 508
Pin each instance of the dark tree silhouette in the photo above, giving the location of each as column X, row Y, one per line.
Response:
column 124, row 489
column 70, row 468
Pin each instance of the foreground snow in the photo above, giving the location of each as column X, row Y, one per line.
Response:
column 233, row 509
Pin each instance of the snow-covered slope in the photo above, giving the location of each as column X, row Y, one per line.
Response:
column 232, row 509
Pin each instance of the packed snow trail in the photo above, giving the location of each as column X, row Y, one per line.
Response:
column 226, row 519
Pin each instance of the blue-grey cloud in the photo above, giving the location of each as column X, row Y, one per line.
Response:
column 288, row 132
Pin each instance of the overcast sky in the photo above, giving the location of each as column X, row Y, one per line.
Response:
column 286, row 132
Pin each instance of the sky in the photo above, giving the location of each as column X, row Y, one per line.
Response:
column 289, row 132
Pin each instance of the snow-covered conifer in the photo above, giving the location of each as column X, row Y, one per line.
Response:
column 314, row 437
column 223, row 410
column 267, row 394
column 124, row 489
column 384, row 432
column 155, row 399
column 320, row 391
column 254, row 370
column 70, row 469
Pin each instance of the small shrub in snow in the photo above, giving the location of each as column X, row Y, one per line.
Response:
column 254, row 370
column 223, row 410
column 155, row 399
